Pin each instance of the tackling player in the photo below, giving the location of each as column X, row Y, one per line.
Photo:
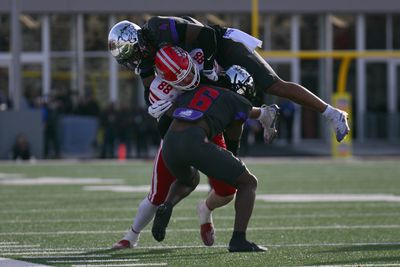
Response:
column 198, row 116
column 137, row 47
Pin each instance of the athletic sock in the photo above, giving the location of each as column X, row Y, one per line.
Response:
column 144, row 215
column 238, row 236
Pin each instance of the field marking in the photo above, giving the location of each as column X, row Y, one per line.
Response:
column 356, row 265
column 216, row 217
column 135, row 189
column 93, row 249
column 44, row 252
column 276, row 205
column 272, row 228
column 67, row 256
column 15, row 263
column 59, row 181
column 18, row 246
column 121, row 265
column 91, row 261
column 328, row 198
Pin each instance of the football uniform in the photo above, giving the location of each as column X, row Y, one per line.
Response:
column 218, row 44
column 161, row 177
column 218, row 107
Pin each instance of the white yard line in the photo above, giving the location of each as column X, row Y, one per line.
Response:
column 92, row 261
column 272, row 228
column 4, row 262
column 94, row 249
column 121, row 265
column 328, row 198
column 356, row 265
column 301, row 205
column 67, row 256
column 287, row 216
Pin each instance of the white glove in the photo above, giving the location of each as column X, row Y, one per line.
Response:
column 210, row 74
column 158, row 108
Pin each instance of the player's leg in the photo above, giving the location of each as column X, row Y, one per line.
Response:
column 220, row 195
column 208, row 158
column 160, row 183
column 266, row 80
column 236, row 174
column 178, row 191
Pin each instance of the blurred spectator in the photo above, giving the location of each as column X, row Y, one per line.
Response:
column 88, row 106
column 141, row 131
column 125, row 131
column 108, row 123
column 21, row 148
column 286, row 119
column 5, row 102
column 51, row 119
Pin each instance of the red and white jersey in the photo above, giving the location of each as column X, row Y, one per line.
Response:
column 161, row 90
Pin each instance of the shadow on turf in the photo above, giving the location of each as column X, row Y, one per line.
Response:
column 145, row 252
column 371, row 247
column 363, row 260
column 361, row 248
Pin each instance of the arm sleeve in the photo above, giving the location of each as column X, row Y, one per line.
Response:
column 208, row 42
column 203, row 37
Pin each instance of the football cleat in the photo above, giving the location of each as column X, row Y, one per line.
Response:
column 161, row 220
column 122, row 244
column 130, row 240
column 340, row 124
column 245, row 246
column 268, row 118
column 207, row 232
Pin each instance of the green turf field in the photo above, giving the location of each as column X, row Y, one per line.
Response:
column 46, row 220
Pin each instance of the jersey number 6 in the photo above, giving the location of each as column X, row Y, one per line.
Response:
column 203, row 98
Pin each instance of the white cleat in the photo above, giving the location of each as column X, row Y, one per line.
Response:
column 340, row 124
column 268, row 118
column 130, row 240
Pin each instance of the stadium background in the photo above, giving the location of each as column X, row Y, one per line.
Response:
column 54, row 59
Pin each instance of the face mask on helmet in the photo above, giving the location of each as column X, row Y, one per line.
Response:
column 241, row 81
column 176, row 67
column 123, row 43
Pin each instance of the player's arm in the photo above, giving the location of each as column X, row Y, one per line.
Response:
column 201, row 36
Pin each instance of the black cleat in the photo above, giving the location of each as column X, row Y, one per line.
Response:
column 161, row 220
column 245, row 246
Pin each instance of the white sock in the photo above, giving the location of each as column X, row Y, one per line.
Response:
column 144, row 215
column 204, row 213
column 329, row 112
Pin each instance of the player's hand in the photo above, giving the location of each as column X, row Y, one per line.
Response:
column 210, row 74
column 158, row 108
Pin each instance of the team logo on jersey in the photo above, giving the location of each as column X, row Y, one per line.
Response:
column 187, row 114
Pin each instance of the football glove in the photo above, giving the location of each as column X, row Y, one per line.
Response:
column 210, row 74
column 268, row 119
column 158, row 108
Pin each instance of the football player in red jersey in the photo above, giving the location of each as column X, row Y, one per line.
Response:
column 135, row 47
